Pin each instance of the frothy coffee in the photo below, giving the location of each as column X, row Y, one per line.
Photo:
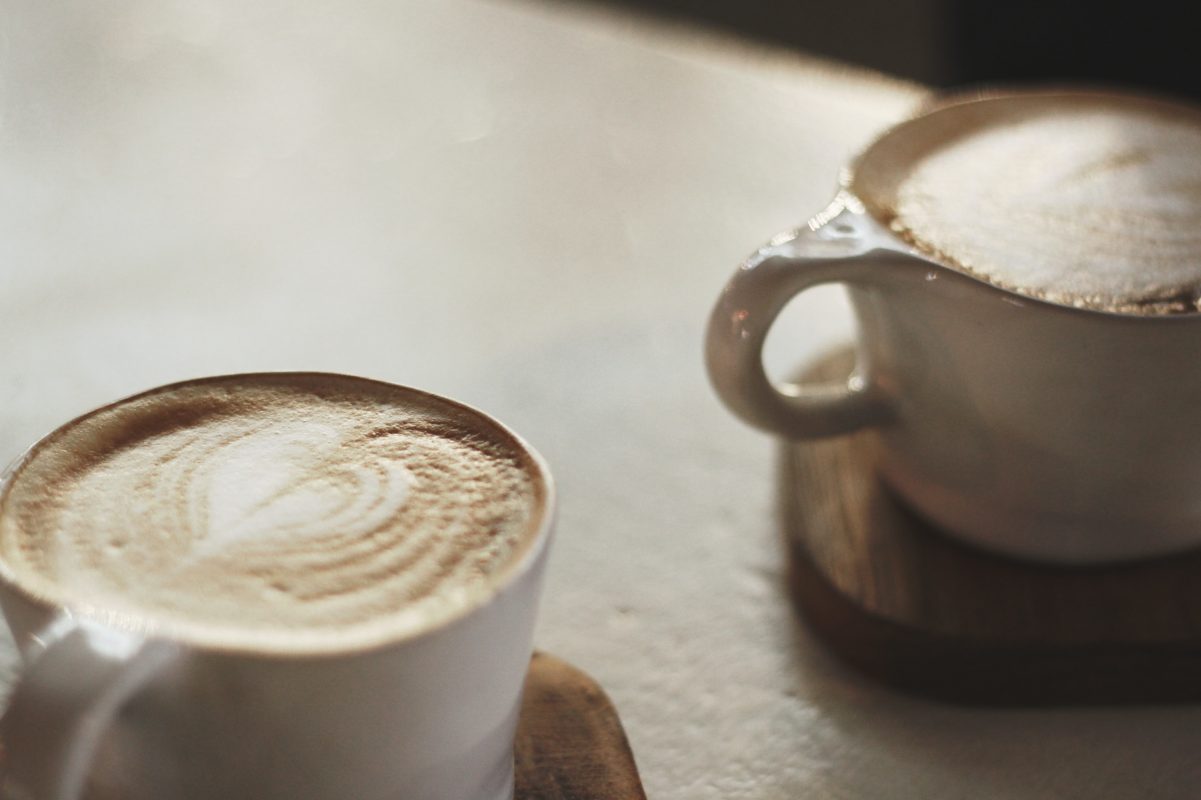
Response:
column 289, row 504
column 1082, row 199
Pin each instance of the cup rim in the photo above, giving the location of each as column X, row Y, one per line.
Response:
column 533, row 542
column 851, row 179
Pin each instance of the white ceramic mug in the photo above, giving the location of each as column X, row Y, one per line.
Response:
column 105, row 708
column 1033, row 429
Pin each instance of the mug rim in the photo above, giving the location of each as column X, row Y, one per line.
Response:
column 851, row 178
column 531, row 547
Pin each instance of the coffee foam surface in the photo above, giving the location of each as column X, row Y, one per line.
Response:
column 294, row 504
column 1086, row 200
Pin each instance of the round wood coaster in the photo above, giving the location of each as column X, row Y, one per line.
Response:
column 570, row 743
column 920, row 611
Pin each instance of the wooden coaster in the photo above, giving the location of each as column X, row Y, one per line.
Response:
column 921, row 612
column 570, row 743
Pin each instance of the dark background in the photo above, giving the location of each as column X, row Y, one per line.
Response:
column 954, row 42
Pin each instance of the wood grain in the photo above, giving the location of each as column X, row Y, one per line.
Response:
column 921, row 611
column 570, row 743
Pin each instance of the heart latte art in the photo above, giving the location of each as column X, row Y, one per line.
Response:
column 293, row 503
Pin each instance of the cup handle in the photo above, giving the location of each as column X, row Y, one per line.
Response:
column 77, row 679
column 838, row 251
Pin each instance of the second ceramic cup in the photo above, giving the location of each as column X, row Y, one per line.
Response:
column 1027, row 427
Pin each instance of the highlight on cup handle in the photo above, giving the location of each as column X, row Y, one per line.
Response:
column 837, row 251
column 74, row 683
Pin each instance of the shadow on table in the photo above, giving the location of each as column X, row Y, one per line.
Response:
column 1096, row 752
column 953, row 42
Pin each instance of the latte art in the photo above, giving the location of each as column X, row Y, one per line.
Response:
column 315, row 486
column 291, row 503
column 1085, row 200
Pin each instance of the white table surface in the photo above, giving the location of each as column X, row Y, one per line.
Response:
column 530, row 209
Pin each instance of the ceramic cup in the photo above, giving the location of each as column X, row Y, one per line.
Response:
column 105, row 708
column 1037, row 430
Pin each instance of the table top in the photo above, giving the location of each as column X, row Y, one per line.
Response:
column 529, row 208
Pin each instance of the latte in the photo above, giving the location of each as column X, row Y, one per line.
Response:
column 1082, row 199
column 285, row 505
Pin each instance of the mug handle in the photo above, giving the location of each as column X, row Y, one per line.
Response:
column 77, row 679
column 838, row 250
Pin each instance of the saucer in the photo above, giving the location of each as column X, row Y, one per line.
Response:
column 570, row 743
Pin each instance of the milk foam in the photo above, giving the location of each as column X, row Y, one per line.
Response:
column 293, row 503
column 1089, row 201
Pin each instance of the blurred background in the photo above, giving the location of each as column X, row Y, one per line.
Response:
column 949, row 42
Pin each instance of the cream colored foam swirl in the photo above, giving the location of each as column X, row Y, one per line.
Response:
column 309, row 490
column 270, row 507
column 1089, row 201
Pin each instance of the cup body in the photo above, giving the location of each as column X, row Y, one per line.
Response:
column 1033, row 429
column 429, row 718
